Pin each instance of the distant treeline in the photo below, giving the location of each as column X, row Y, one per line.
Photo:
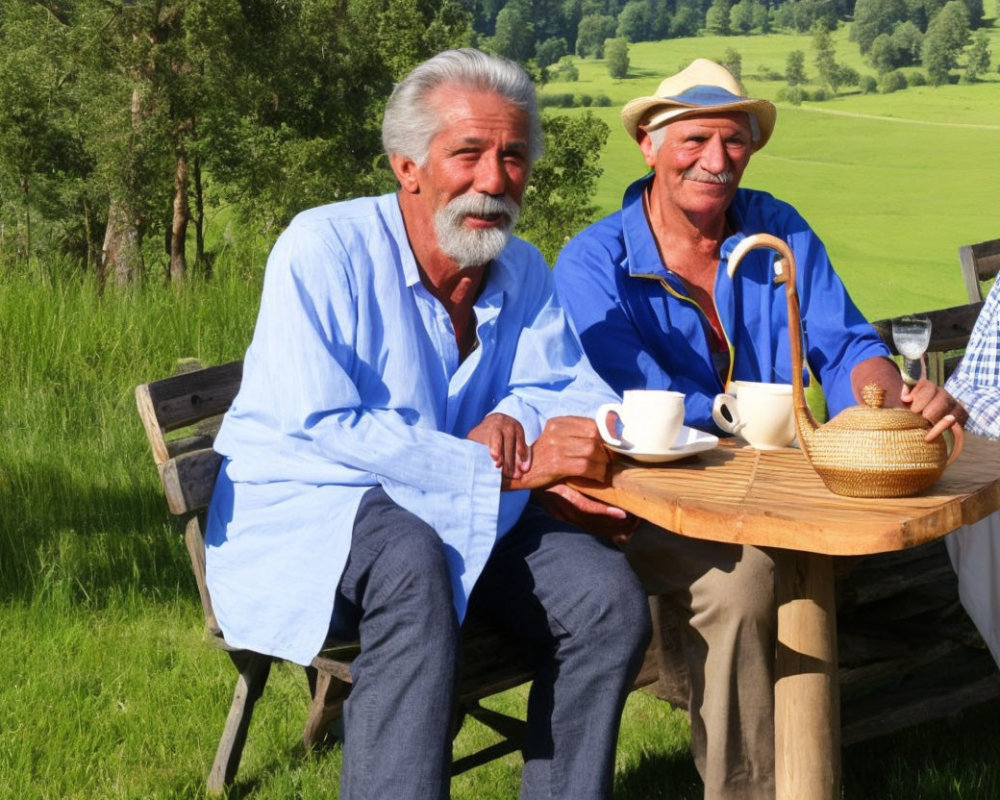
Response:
column 124, row 124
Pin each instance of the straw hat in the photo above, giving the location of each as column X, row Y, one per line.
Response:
column 702, row 87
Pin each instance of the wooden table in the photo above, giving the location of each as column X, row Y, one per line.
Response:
column 775, row 499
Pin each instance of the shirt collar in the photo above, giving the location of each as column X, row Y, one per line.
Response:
column 640, row 246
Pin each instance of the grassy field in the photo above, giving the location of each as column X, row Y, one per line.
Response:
column 109, row 690
column 893, row 184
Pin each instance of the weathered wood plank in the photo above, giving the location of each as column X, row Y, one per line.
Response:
column 181, row 400
column 979, row 262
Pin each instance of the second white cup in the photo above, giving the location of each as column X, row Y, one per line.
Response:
column 759, row 413
column 651, row 420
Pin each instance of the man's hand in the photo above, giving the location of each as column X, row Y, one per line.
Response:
column 504, row 436
column 935, row 404
column 925, row 398
column 604, row 521
column 569, row 447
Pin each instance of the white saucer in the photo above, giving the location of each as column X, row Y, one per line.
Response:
column 689, row 441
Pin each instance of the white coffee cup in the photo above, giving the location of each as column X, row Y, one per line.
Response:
column 759, row 413
column 651, row 420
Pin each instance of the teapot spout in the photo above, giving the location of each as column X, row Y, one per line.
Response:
column 784, row 272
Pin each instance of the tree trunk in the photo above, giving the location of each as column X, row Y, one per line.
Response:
column 178, row 228
column 202, row 261
column 121, row 255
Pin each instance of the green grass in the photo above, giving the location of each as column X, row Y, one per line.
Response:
column 893, row 184
column 110, row 690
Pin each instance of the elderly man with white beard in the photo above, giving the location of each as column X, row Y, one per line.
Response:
column 412, row 400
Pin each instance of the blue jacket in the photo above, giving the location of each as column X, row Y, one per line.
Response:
column 640, row 328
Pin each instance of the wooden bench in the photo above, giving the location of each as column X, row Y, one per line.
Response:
column 908, row 651
column 181, row 415
column 979, row 262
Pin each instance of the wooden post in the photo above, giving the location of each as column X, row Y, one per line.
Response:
column 807, row 691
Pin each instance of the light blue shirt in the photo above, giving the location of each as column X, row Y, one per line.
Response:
column 353, row 379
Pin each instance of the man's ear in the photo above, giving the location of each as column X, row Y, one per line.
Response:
column 405, row 169
column 646, row 146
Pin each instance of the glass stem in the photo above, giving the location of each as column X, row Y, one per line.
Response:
column 912, row 370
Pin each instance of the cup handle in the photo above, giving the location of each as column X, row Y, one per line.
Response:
column 601, row 418
column 727, row 403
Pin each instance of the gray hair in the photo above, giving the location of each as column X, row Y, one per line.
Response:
column 410, row 122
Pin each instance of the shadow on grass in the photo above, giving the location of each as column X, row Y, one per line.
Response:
column 950, row 759
column 83, row 533
column 659, row 775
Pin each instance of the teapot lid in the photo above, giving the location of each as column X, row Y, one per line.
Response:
column 871, row 415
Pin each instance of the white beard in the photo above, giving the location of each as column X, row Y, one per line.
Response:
column 473, row 247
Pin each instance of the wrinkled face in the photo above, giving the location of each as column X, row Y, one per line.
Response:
column 476, row 170
column 700, row 162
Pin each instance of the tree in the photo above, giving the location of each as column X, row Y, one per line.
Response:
column 873, row 18
column 687, row 22
column 717, row 18
column 978, row 57
column 946, row 35
column 743, row 16
column 883, row 54
column 616, row 52
column 907, row 40
column 593, row 31
column 43, row 166
column 824, row 60
column 733, row 61
column 634, row 21
column 558, row 202
column 550, row 51
column 515, row 33
column 795, row 68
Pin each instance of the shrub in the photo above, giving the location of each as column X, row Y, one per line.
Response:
column 584, row 100
column 602, row 100
column 918, row 79
column 558, row 100
column 792, row 94
column 868, row 84
column 892, row 82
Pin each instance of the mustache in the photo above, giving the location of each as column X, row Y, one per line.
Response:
column 704, row 176
column 477, row 204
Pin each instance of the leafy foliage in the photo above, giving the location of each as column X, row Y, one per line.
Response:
column 558, row 201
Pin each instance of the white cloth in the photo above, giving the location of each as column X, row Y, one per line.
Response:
column 975, row 555
column 975, row 549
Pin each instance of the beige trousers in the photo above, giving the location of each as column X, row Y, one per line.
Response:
column 715, row 611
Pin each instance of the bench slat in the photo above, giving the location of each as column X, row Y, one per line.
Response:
column 188, row 480
column 185, row 399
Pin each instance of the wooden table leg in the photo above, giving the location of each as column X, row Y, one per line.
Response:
column 807, row 691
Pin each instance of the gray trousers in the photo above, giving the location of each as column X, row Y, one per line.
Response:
column 717, row 622
column 571, row 595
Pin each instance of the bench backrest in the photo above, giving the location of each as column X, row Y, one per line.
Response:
column 950, row 332
column 980, row 262
column 181, row 415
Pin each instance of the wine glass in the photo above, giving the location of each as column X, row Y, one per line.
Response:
column 911, row 335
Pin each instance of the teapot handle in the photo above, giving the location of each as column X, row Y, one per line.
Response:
column 957, row 441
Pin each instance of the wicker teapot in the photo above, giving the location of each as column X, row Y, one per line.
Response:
column 866, row 450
